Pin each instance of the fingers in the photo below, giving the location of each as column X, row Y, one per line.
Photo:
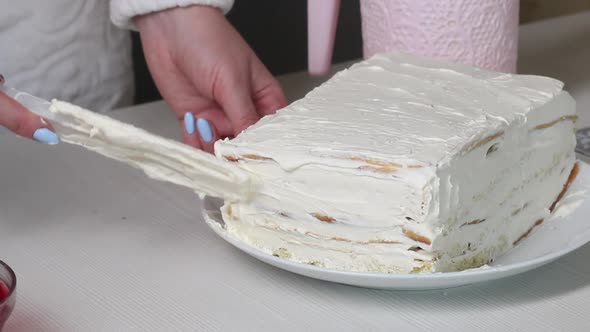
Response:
column 232, row 93
column 207, row 134
column 187, row 104
column 21, row 121
column 270, row 99
column 190, row 135
column 267, row 93
column 203, row 129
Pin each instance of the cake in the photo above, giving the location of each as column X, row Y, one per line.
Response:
column 403, row 164
column 400, row 164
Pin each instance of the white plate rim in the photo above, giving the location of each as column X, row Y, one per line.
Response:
column 461, row 277
column 255, row 252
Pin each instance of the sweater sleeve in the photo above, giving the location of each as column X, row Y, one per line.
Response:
column 122, row 11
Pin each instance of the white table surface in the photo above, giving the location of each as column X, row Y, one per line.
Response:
column 99, row 247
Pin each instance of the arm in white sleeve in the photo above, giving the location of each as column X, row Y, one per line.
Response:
column 123, row 11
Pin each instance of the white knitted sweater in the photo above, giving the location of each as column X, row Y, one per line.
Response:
column 69, row 49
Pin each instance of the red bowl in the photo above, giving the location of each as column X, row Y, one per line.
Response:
column 7, row 292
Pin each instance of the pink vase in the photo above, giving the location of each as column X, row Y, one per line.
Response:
column 322, row 16
column 481, row 33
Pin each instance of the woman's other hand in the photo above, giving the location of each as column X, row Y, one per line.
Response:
column 207, row 73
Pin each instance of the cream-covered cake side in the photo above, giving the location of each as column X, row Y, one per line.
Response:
column 404, row 164
column 497, row 192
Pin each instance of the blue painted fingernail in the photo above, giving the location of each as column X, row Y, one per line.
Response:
column 189, row 122
column 46, row 136
column 205, row 130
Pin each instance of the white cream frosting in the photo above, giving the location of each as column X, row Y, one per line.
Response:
column 160, row 158
column 397, row 147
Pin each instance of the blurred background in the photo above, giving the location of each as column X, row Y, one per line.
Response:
column 277, row 31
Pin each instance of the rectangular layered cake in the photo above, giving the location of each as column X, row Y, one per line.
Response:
column 403, row 164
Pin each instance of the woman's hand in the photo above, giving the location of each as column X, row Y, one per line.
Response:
column 207, row 73
column 21, row 121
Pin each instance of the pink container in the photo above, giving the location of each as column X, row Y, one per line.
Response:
column 482, row 33
column 322, row 17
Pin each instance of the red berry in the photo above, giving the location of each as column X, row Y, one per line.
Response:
column 3, row 291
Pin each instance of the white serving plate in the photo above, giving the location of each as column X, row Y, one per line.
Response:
column 567, row 230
